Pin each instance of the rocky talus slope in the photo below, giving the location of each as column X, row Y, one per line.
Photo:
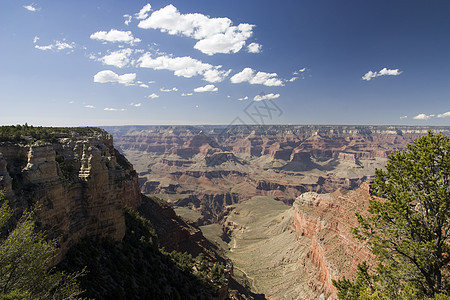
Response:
column 80, row 182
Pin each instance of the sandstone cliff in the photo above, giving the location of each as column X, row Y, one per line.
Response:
column 80, row 182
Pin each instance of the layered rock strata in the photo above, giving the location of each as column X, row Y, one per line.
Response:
column 80, row 184
column 295, row 252
column 208, row 165
column 325, row 220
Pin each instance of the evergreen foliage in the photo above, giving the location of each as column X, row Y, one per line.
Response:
column 408, row 229
column 136, row 269
column 25, row 257
column 29, row 133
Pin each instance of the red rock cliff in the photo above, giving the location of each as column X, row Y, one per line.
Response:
column 326, row 219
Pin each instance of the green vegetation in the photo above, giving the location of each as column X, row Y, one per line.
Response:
column 68, row 169
column 188, row 214
column 28, row 133
column 136, row 269
column 408, row 230
column 25, row 257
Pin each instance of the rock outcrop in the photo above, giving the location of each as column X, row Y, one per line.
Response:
column 80, row 182
column 326, row 221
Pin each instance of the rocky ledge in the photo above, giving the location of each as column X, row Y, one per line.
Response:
column 80, row 181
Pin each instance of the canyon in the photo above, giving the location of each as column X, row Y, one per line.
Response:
column 206, row 168
column 86, row 195
column 278, row 199
column 275, row 203
column 295, row 252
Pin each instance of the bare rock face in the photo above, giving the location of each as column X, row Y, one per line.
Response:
column 326, row 220
column 81, row 185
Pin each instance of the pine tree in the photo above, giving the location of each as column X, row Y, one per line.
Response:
column 408, row 227
column 25, row 257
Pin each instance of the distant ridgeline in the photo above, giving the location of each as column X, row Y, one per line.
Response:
column 224, row 131
column 207, row 167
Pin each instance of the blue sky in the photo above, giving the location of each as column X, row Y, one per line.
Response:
column 82, row 63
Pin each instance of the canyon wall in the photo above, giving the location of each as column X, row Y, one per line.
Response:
column 80, row 183
column 325, row 220
column 278, row 141
column 296, row 252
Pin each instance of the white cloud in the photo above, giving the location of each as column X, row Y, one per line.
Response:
column 127, row 19
column 266, row 97
column 403, row 117
column 391, row 72
column 186, row 94
column 56, row 46
column 153, row 96
column 369, row 75
column 144, row 85
column 183, row 66
column 231, row 41
column 120, row 58
column 299, row 71
column 215, row 75
column 36, row 38
column 136, row 104
column 426, row 117
column 63, row 45
column 383, row 72
column 249, row 75
column 114, row 36
column 113, row 109
column 151, row 81
column 206, row 88
column 254, row 48
column 109, row 76
column 174, row 89
column 214, row 35
column 143, row 13
column 31, row 8
column 293, row 79
column 242, row 99
column 44, row 48
column 423, row 117
column 444, row 115
column 89, row 106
